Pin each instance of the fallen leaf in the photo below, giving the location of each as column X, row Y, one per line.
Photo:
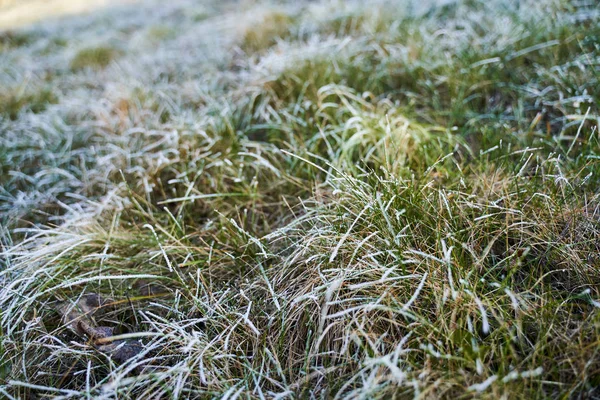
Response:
column 79, row 318
column 121, row 350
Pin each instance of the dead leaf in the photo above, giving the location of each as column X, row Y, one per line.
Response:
column 121, row 350
column 79, row 318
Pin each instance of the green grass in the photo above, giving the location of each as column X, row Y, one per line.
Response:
column 342, row 201
column 15, row 39
column 161, row 33
column 264, row 34
column 12, row 102
column 94, row 58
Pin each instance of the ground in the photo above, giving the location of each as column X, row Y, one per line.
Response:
column 317, row 199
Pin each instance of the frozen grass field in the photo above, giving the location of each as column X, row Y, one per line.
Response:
column 251, row 200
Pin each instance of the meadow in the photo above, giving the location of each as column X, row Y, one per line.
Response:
column 317, row 199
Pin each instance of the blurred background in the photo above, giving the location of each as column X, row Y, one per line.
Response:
column 15, row 13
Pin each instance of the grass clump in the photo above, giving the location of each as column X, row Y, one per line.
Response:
column 261, row 36
column 161, row 33
column 15, row 39
column 94, row 58
column 15, row 101
column 371, row 210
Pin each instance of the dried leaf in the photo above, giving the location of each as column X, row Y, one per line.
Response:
column 121, row 350
column 79, row 318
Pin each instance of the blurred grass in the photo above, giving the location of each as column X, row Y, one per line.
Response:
column 94, row 58
column 13, row 102
column 15, row 14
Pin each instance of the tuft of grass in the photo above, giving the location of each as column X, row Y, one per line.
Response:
column 161, row 33
column 265, row 33
column 94, row 58
column 15, row 101
column 15, row 39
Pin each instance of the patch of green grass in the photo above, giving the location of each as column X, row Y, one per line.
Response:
column 94, row 58
column 17, row 100
column 200, row 16
column 160, row 33
column 265, row 33
column 14, row 39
